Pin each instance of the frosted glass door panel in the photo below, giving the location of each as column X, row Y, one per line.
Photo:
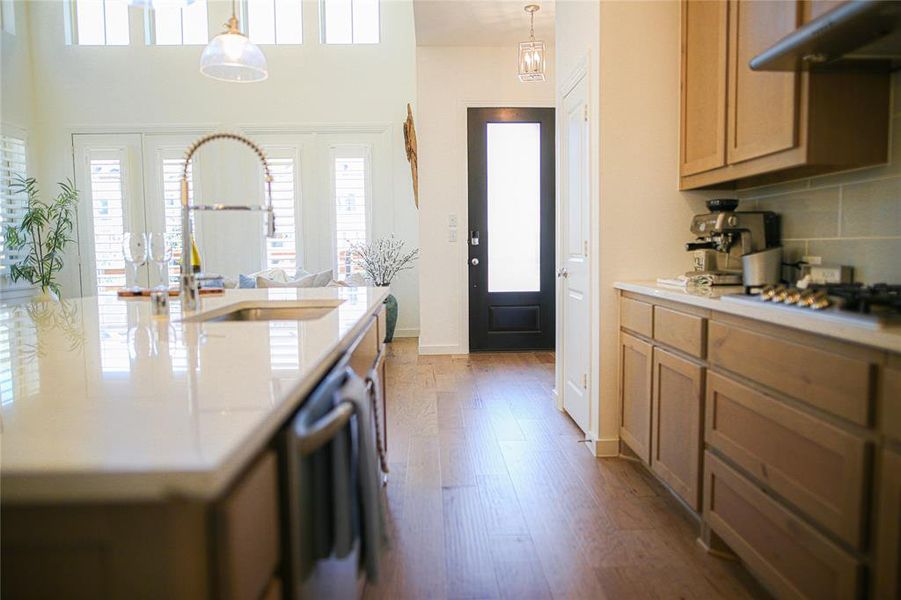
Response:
column 514, row 212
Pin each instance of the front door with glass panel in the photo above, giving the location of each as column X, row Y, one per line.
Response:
column 511, row 228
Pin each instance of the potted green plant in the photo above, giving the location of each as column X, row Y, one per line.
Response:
column 40, row 237
column 381, row 260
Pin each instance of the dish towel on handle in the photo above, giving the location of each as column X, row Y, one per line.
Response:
column 336, row 498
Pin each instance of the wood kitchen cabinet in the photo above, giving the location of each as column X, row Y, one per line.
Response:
column 635, row 390
column 888, row 531
column 741, row 127
column 676, row 446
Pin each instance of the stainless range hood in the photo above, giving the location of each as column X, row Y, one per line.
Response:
column 860, row 34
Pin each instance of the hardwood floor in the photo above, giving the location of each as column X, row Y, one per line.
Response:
column 491, row 495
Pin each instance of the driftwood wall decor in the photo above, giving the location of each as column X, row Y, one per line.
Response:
column 410, row 143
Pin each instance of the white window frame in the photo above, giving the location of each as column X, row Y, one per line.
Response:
column 8, row 16
column 352, row 42
column 292, row 152
column 71, row 18
column 8, row 288
column 150, row 28
column 337, row 151
column 245, row 22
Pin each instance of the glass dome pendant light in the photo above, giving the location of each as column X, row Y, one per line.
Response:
column 531, row 53
column 231, row 56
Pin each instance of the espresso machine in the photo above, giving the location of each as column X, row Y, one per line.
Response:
column 735, row 247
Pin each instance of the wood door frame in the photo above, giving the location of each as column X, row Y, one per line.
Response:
column 544, row 299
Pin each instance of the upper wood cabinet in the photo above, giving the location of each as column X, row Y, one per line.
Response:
column 762, row 106
column 704, row 26
column 742, row 127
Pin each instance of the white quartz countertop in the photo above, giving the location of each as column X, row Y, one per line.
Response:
column 101, row 401
column 886, row 338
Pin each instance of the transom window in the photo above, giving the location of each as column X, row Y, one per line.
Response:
column 350, row 21
column 100, row 22
column 274, row 21
column 8, row 16
column 173, row 26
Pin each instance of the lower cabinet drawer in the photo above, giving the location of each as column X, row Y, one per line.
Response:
column 636, row 316
column 819, row 468
column 247, row 533
column 832, row 382
column 791, row 558
column 680, row 330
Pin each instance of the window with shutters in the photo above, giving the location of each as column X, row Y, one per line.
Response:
column 351, row 186
column 281, row 251
column 107, row 210
column 349, row 21
column 173, row 26
column 12, row 201
column 171, row 169
column 274, row 21
column 98, row 22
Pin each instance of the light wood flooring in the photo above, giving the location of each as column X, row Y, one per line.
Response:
column 491, row 495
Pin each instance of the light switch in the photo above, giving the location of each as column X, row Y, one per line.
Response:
column 452, row 220
column 452, row 235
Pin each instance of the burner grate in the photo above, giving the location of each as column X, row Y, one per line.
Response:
column 880, row 298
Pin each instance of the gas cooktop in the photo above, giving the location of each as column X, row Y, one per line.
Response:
column 875, row 306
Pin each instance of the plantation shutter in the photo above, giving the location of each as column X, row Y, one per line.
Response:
column 350, row 185
column 12, row 204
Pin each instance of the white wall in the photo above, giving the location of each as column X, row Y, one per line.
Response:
column 449, row 80
column 136, row 87
column 643, row 218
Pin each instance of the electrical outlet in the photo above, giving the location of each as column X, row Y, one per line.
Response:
column 813, row 260
column 452, row 220
column 452, row 235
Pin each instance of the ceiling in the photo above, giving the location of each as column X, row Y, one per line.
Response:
column 480, row 22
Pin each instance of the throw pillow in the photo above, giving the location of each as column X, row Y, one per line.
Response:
column 322, row 278
column 246, row 282
column 303, row 282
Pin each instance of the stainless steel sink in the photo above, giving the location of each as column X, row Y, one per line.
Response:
column 303, row 310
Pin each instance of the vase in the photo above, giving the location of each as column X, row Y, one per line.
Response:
column 390, row 316
column 45, row 295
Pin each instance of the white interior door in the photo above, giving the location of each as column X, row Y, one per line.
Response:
column 574, row 273
column 108, row 172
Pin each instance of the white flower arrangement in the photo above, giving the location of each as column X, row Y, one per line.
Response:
column 383, row 259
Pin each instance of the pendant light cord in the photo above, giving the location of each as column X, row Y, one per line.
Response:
column 531, row 25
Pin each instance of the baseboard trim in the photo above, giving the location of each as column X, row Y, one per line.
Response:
column 606, row 448
column 406, row 333
column 433, row 349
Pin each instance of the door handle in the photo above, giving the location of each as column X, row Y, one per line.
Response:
column 474, row 262
column 562, row 272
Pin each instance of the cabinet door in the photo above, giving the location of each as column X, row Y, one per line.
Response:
column 704, row 51
column 676, row 429
column 763, row 107
column 635, row 391
column 888, row 529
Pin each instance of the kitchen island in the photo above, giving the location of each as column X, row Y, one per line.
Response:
column 139, row 452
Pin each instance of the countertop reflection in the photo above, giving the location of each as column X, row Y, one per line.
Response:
column 101, row 400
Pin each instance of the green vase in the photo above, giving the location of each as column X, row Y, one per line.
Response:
column 390, row 316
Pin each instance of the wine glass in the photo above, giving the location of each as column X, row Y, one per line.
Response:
column 134, row 251
column 160, row 252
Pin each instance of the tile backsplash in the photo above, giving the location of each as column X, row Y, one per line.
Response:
column 851, row 218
